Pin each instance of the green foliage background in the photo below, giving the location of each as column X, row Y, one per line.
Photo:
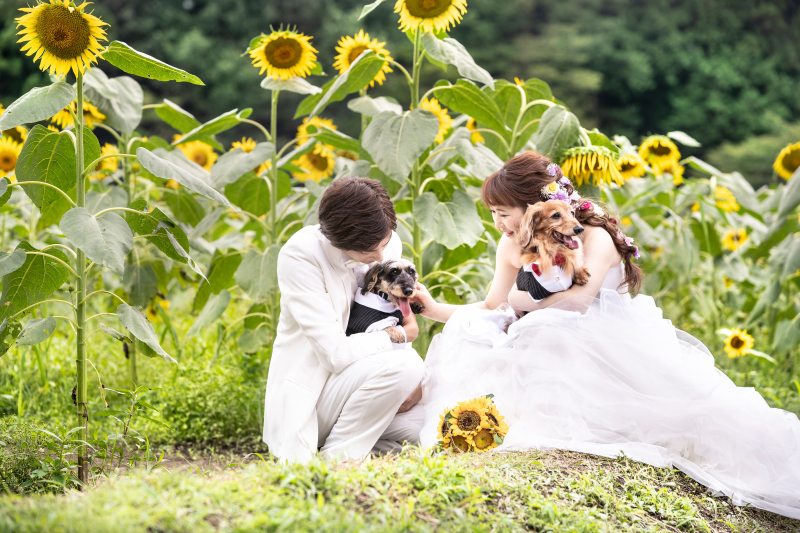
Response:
column 724, row 70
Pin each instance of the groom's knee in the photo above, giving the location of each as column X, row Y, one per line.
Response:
column 409, row 368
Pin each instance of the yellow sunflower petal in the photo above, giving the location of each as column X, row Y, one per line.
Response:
column 431, row 15
column 284, row 54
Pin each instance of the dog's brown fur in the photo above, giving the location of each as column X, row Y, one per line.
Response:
column 537, row 237
column 395, row 278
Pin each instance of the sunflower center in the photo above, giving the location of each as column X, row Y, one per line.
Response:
column 283, row 52
column 64, row 34
column 426, row 9
column 792, row 161
column 660, row 150
column 354, row 53
column 468, row 421
column 8, row 160
column 445, row 428
column 484, row 439
column 200, row 158
column 625, row 167
column 737, row 342
column 318, row 161
column 491, row 418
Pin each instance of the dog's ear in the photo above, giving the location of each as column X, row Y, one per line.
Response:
column 528, row 224
column 371, row 277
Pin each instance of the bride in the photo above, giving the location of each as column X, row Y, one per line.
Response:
column 593, row 370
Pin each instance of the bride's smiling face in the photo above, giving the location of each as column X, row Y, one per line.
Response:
column 507, row 219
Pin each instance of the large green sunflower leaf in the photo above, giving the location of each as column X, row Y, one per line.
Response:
column 177, row 158
column 168, row 170
column 481, row 162
column 135, row 322
column 220, row 277
column 255, row 333
column 212, row 310
column 251, row 192
column 184, row 207
column 558, row 130
column 37, row 104
column 11, row 262
column 224, row 122
column 452, row 52
column 369, row 8
column 176, row 116
column 49, row 156
column 36, row 330
column 451, row 223
column 106, row 239
column 465, row 97
column 258, row 273
column 120, row 99
column 447, row 149
column 358, row 75
column 234, row 164
column 396, row 141
column 141, row 283
column 294, row 85
column 134, row 62
column 371, row 107
column 5, row 192
column 34, row 281
column 332, row 137
column 111, row 197
column 156, row 225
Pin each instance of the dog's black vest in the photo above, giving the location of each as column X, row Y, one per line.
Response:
column 362, row 316
column 526, row 281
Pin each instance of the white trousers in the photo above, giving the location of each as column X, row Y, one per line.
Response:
column 357, row 409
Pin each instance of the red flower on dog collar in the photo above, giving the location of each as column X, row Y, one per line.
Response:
column 559, row 259
column 535, row 269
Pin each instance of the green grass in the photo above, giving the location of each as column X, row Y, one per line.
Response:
column 540, row 491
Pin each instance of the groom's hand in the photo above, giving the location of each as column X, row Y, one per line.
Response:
column 412, row 400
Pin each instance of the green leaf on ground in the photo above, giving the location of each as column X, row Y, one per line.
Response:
column 396, row 141
column 136, row 322
column 37, row 104
column 451, row 223
column 37, row 279
column 106, row 240
column 137, row 63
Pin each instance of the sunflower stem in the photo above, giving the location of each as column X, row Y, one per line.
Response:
column 364, row 122
column 130, row 182
column 80, row 327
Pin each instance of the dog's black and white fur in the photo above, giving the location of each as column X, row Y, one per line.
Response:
column 394, row 281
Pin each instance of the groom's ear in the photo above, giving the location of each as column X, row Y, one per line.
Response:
column 371, row 277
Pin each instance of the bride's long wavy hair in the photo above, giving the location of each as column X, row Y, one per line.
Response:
column 519, row 184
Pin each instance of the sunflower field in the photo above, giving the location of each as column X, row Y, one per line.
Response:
column 131, row 262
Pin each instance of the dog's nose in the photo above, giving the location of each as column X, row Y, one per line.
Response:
column 408, row 291
column 578, row 230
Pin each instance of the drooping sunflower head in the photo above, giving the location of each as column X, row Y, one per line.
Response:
column 246, row 145
column 91, row 115
column 9, row 153
column 496, row 422
column 591, row 163
column 302, row 129
column 472, row 125
column 351, row 47
column 445, row 122
column 64, row 37
column 444, row 428
column 738, row 343
column 200, row 153
column 631, row 166
column 461, row 443
column 431, row 15
column 658, row 149
column 725, row 199
column 733, row 239
column 319, row 163
column 284, row 54
column 788, row 161
column 106, row 166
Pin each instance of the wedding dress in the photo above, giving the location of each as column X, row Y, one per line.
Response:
column 612, row 376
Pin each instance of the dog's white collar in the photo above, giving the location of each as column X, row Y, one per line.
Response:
column 554, row 281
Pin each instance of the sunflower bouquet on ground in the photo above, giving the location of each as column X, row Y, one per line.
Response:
column 473, row 425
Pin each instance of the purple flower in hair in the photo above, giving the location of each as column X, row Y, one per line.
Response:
column 636, row 252
column 561, row 194
column 552, row 169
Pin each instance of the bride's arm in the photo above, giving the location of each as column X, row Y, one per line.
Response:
column 505, row 275
column 600, row 255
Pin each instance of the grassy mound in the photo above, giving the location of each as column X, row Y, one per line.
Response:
column 539, row 491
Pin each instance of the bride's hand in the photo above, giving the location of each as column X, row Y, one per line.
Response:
column 422, row 297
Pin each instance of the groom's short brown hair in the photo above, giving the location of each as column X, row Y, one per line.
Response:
column 356, row 214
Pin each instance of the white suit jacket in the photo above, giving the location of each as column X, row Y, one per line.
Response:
column 317, row 288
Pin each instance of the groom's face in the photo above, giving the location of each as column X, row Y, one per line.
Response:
column 372, row 255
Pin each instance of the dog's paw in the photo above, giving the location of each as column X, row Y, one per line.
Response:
column 417, row 309
column 396, row 334
column 581, row 276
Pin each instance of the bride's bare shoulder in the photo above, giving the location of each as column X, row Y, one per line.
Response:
column 597, row 241
column 508, row 252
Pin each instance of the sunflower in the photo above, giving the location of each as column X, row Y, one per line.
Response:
column 284, row 54
column 444, row 430
column 472, row 125
column 672, row 168
column 18, row 133
column 733, row 239
column 302, row 129
column 788, row 161
column 445, row 122
column 319, row 162
column 9, row 152
column 247, row 145
column 53, row 128
column 631, row 166
column 431, row 15
column 728, row 282
column 596, row 162
column 483, row 441
column 738, row 343
column 152, row 312
column 109, row 164
column 172, row 184
column 461, row 443
column 90, row 115
column 626, row 221
column 467, row 417
column 726, row 200
column 658, row 150
column 351, row 47
column 64, row 37
column 496, row 422
column 200, row 153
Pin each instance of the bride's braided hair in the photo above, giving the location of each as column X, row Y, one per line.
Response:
column 519, row 183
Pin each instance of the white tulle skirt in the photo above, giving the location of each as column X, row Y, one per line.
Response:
column 616, row 377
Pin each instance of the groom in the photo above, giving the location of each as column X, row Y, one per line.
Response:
column 344, row 396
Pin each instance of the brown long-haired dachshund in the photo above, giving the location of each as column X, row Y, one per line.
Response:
column 549, row 234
